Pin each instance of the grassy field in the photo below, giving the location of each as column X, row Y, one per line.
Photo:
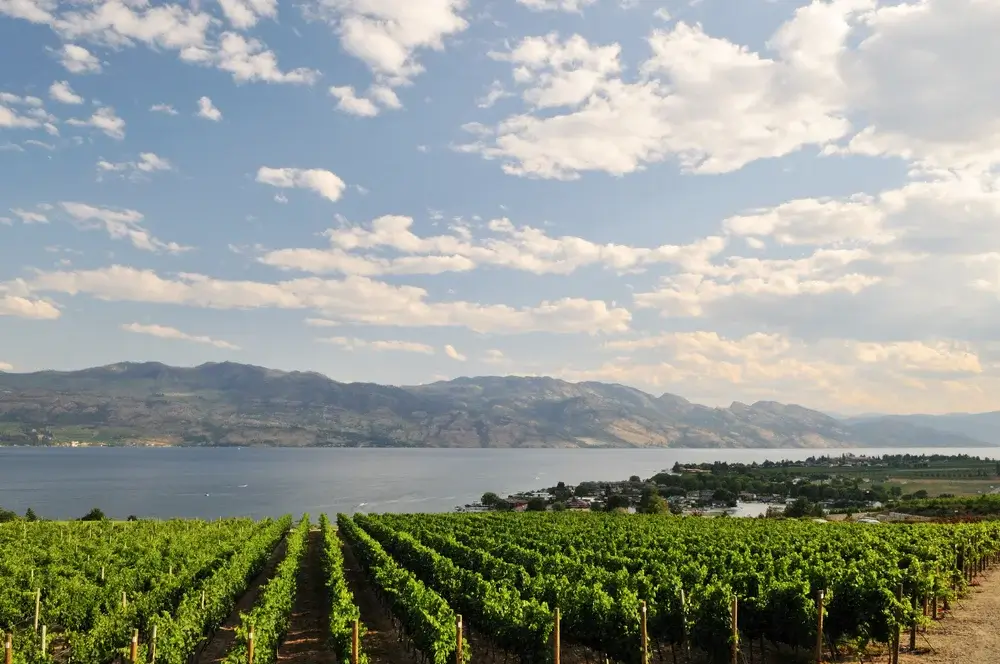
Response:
column 935, row 487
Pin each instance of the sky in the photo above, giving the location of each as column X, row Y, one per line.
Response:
column 753, row 200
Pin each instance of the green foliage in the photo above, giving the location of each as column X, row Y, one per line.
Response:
column 30, row 515
column 490, row 499
column 343, row 610
column 270, row 616
column 425, row 616
column 95, row 514
column 537, row 505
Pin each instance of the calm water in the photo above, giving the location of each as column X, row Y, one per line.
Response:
column 173, row 482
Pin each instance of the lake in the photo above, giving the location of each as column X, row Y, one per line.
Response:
column 63, row 483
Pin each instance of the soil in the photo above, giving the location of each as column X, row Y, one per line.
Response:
column 222, row 640
column 968, row 635
column 382, row 641
column 307, row 640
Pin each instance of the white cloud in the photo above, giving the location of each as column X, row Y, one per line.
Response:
column 514, row 247
column 387, row 35
column 815, row 221
column 493, row 95
column 708, row 103
column 10, row 147
column 163, row 108
column 29, row 217
column 207, row 110
column 63, row 93
column 324, row 183
column 349, row 343
column 17, row 112
column 494, row 356
column 190, row 32
column 105, row 120
column 78, row 60
column 164, row 332
column 450, row 351
column 148, row 162
column 349, row 102
column 122, row 224
column 245, row 14
column 556, row 5
column 892, row 376
column 280, row 198
column 22, row 307
column 355, row 300
column 6, row 366
column 663, row 14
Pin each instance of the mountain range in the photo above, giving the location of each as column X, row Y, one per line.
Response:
column 243, row 405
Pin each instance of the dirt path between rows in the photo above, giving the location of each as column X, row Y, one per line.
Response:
column 381, row 641
column 969, row 635
column 307, row 640
column 222, row 640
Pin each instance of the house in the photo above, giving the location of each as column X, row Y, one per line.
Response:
column 577, row 504
column 519, row 505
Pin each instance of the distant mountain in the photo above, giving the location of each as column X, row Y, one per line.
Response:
column 981, row 426
column 237, row 404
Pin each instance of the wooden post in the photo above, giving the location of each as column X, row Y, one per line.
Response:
column 895, row 638
column 202, row 600
column 152, row 646
column 38, row 606
column 913, row 625
column 8, row 649
column 736, row 633
column 819, row 627
column 45, row 630
column 685, row 646
column 250, row 647
column 645, row 636
column 458, row 639
column 355, row 650
column 133, row 654
column 555, row 637
column 124, row 600
column 102, row 573
column 934, row 609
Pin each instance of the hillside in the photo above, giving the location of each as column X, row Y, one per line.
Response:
column 981, row 426
column 236, row 404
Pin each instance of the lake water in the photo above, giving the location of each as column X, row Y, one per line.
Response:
column 61, row 483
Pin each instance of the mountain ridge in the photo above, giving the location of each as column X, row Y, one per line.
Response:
column 227, row 403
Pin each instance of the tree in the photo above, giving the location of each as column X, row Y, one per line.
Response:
column 95, row 514
column 920, row 495
column 651, row 502
column 559, row 507
column 587, row 489
column 537, row 505
column 802, row 507
column 490, row 499
column 635, row 479
column 616, row 501
column 30, row 515
column 7, row 515
column 132, row 517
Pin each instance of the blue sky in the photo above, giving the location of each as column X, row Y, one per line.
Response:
column 727, row 201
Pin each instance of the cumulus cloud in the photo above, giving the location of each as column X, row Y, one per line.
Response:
column 25, row 112
column 29, row 216
column 105, row 120
column 23, row 307
column 6, row 366
column 119, row 224
column 450, row 351
column 207, row 110
column 164, row 332
column 354, row 299
column 388, row 37
column 323, row 182
column 78, row 60
column 193, row 34
column 352, row 343
column 166, row 109
column 148, row 162
column 63, row 93
column 556, row 5
column 514, row 247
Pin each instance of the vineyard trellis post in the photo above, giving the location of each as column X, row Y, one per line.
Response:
column 354, row 642
column 250, row 646
column 44, row 638
column 8, row 649
column 555, row 636
column 124, row 600
column 133, row 653
column 38, row 604
column 202, row 600
column 458, row 639
column 819, row 627
column 685, row 646
column 152, row 646
column 645, row 636
column 736, row 632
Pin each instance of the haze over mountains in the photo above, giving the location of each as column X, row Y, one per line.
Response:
column 237, row 404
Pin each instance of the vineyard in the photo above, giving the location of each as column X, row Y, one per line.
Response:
column 439, row 589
